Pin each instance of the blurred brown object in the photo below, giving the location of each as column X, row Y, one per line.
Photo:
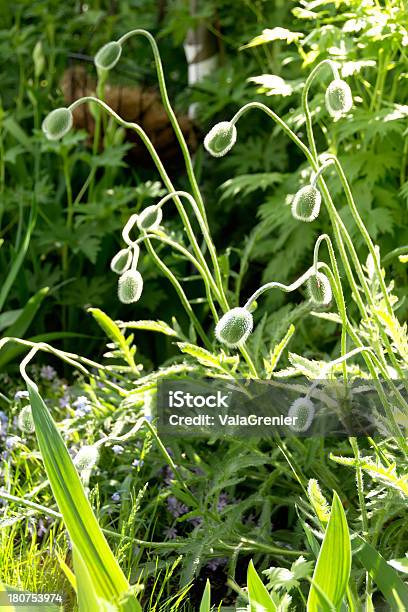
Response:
column 137, row 104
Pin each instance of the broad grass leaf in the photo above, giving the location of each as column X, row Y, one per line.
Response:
column 333, row 565
column 107, row 578
column 384, row 575
column 205, row 605
column 259, row 597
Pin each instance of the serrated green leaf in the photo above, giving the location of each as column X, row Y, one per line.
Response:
column 114, row 333
column 156, row 326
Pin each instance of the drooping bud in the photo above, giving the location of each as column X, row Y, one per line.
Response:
column 130, row 286
column 221, row 138
column 306, row 204
column 25, row 420
column 86, row 458
column 338, row 98
column 57, row 123
column 150, row 218
column 234, row 327
column 319, row 289
column 108, row 56
column 122, row 260
column 302, row 412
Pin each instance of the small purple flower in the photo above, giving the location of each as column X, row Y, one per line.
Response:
column 19, row 395
column 47, row 373
column 168, row 475
column 117, row 449
column 175, row 507
column 138, row 463
column 196, row 521
column 215, row 564
column 171, row 533
column 116, row 496
column 82, row 405
column 11, row 442
column 222, row 501
column 64, row 401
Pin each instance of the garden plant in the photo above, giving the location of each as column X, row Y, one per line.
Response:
column 118, row 518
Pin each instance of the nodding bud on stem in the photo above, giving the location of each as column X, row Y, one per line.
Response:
column 122, row 261
column 150, row 218
column 108, row 56
column 221, row 138
column 339, row 98
column 57, row 123
column 319, row 289
column 86, row 458
column 306, row 204
column 130, row 287
column 234, row 327
column 302, row 412
column 25, row 420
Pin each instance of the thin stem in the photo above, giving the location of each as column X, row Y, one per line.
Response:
column 180, row 292
column 287, row 288
column 171, row 114
column 159, row 165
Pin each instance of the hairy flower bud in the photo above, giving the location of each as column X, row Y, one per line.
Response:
column 57, row 123
column 302, row 412
column 25, row 420
column 130, row 286
column 306, row 204
column 319, row 289
column 86, row 458
column 234, row 327
column 221, row 138
column 122, row 260
column 108, row 56
column 339, row 98
column 150, row 218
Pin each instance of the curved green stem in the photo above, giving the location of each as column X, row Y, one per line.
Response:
column 159, row 165
column 171, row 114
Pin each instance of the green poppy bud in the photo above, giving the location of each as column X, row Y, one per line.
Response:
column 108, row 56
column 57, row 123
column 150, row 218
column 221, row 138
column 86, row 458
column 234, row 327
column 302, row 412
column 130, row 287
column 122, row 260
column 339, row 98
column 319, row 289
column 306, row 204
column 25, row 420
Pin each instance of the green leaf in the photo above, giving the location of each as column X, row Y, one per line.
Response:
column 156, row 326
column 259, row 597
column 205, row 605
column 386, row 578
column 270, row 35
column 333, row 565
column 114, row 333
column 22, row 323
column 107, row 578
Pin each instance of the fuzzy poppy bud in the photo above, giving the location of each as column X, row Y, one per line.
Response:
column 306, row 204
column 234, row 327
column 319, row 289
column 221, row 138
column 86, row 458
column 130, row 287
column 150, row 218
column 302, row 412
column 25, row 420
column 121, row 262
column 339, row 98
column 57, row 123
column 108, row 56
